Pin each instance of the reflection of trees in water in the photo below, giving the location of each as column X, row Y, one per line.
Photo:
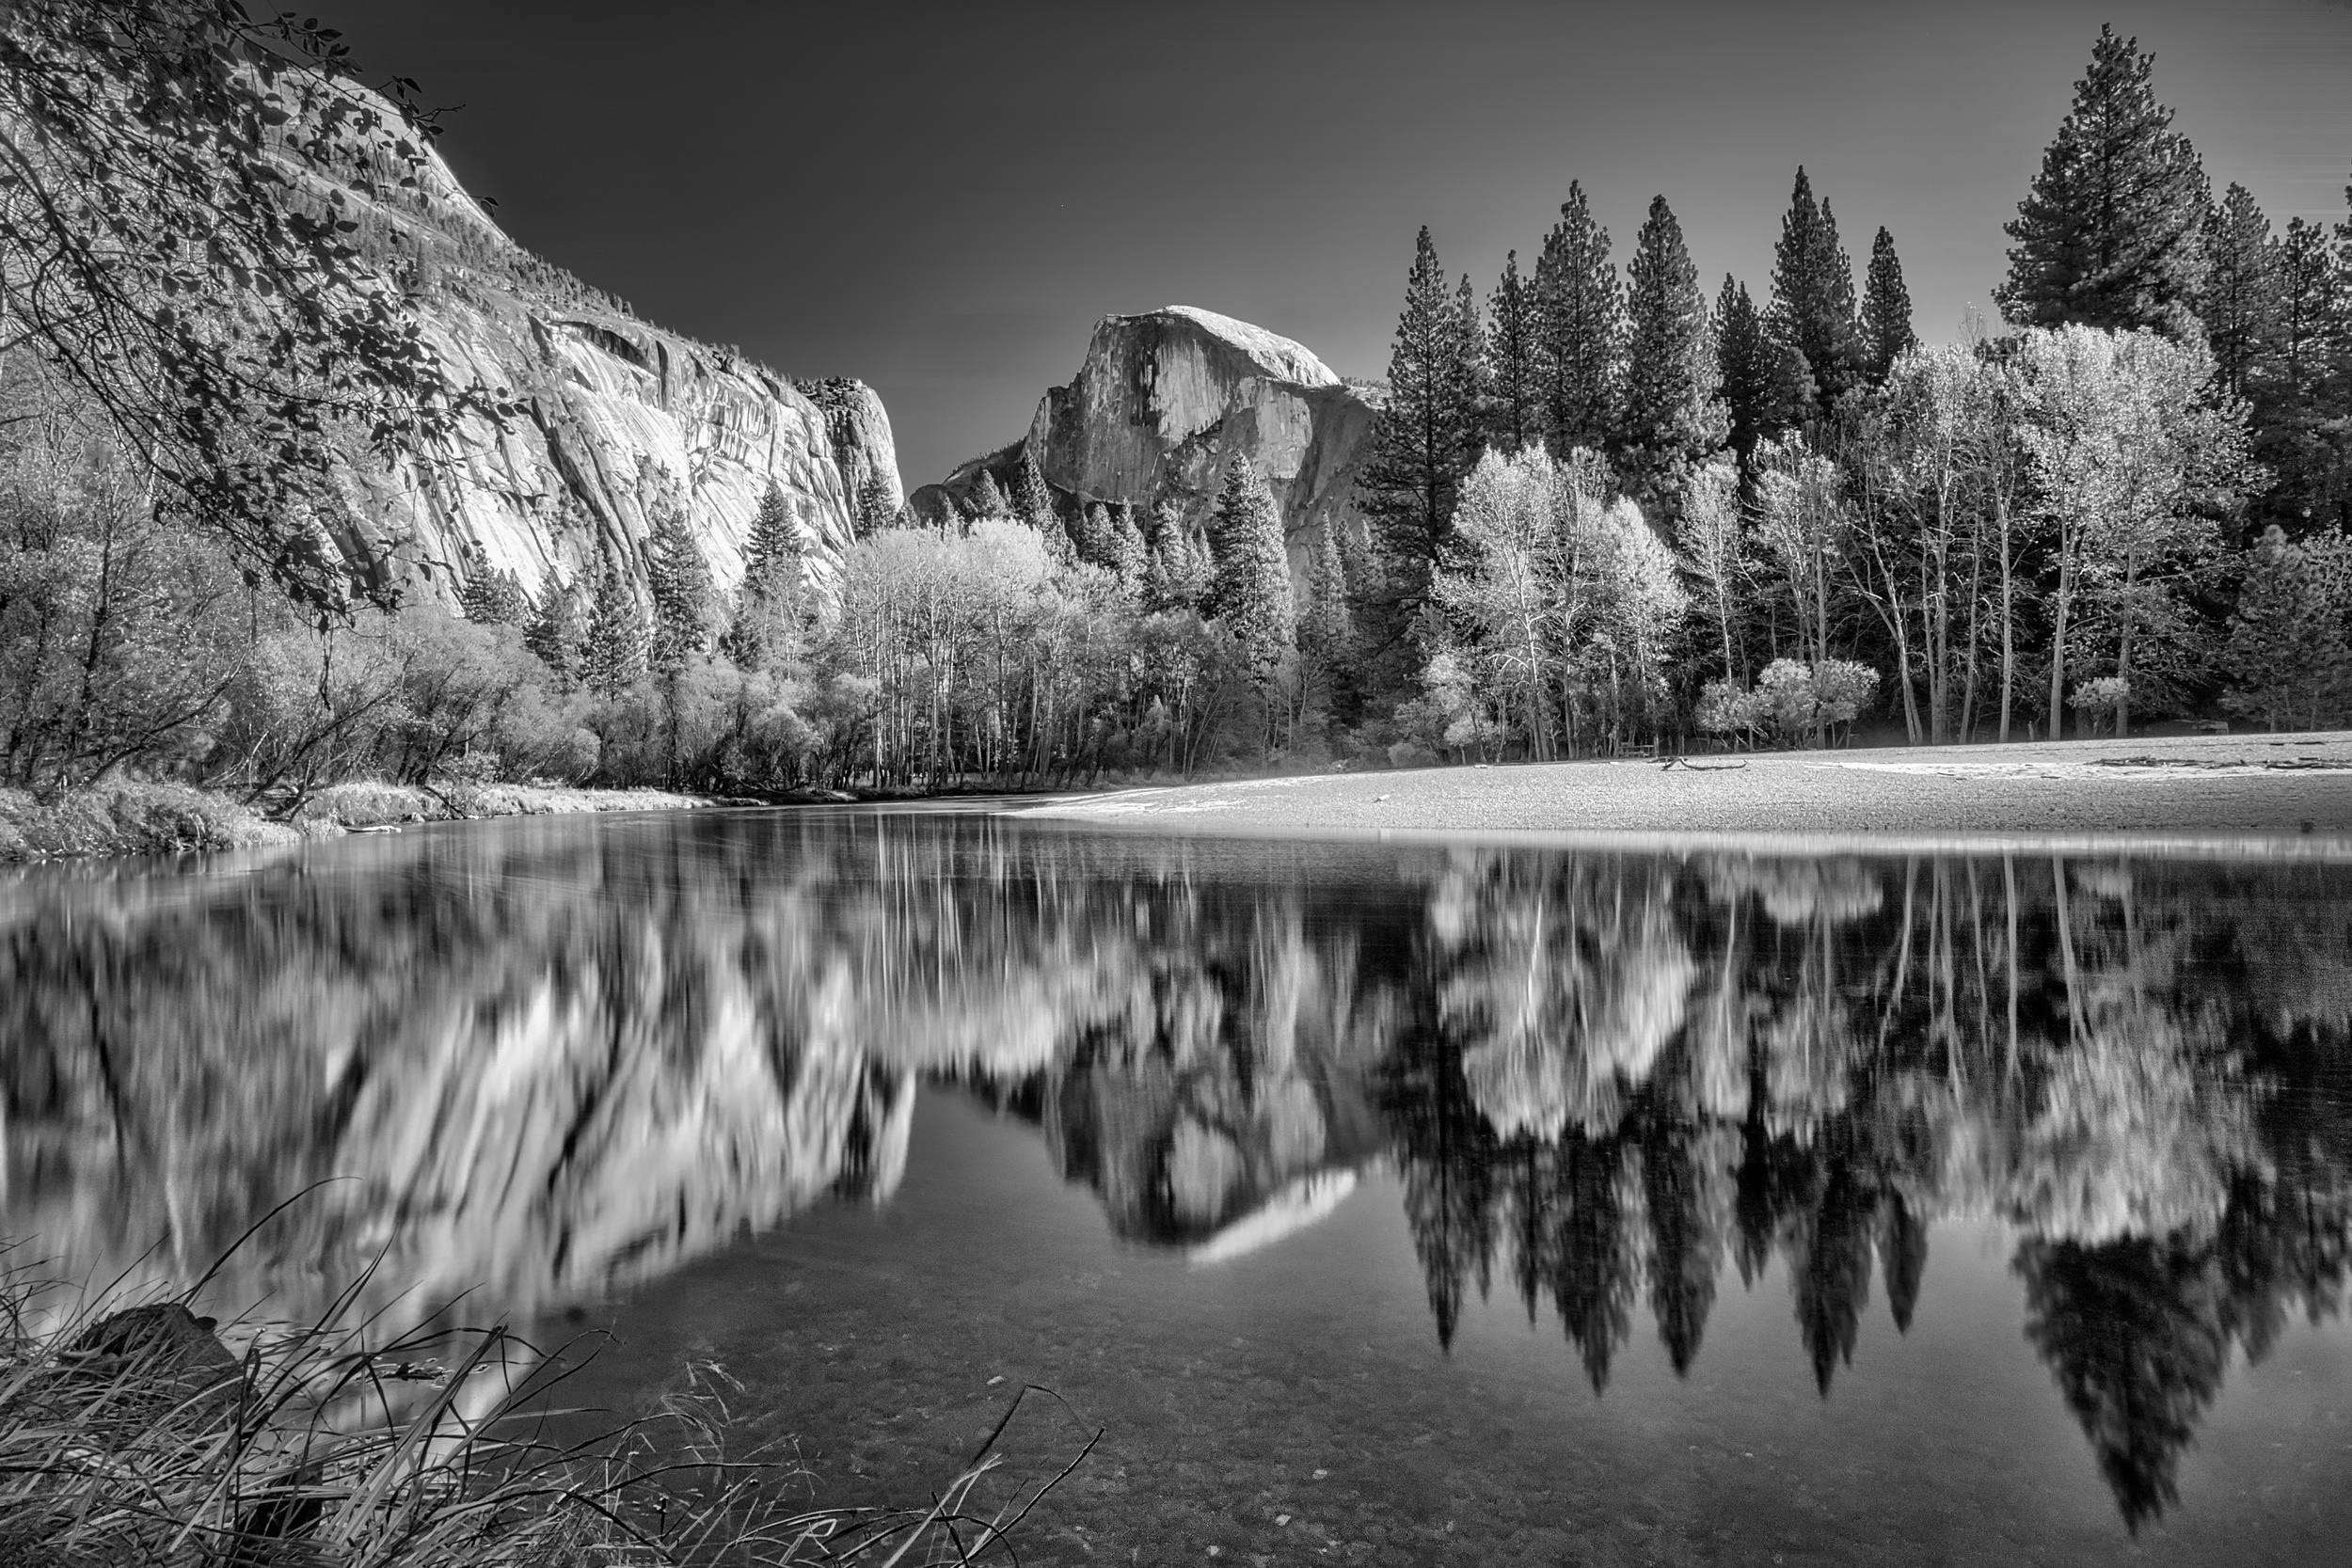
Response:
column 558, row 1060
column 1627, row 1071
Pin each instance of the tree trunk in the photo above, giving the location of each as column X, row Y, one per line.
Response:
column 2008, row 620
column 2123, row 648
column 2058, row 642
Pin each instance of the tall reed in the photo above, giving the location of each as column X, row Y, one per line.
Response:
column 138, row 1437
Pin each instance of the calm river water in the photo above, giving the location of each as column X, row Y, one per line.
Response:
column 1378, row 1204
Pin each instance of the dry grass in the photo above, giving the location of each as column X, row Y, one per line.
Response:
column 129, row 820
column 139, row 1437
column 371, row 803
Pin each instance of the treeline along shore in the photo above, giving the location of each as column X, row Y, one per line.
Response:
column 1604, row 509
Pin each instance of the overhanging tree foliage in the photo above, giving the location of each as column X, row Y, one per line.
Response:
column 156, row 243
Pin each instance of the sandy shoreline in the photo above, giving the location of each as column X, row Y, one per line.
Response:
column 2251, row 794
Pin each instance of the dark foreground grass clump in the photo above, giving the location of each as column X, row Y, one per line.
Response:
column 139, row 1437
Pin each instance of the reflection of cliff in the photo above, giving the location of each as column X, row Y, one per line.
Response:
column 536, row 1062
column 551, row 1058
column 536, row 1076
column 1623, row 1072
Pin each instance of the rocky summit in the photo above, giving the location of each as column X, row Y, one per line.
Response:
column 1163, row 404
column 614, row 414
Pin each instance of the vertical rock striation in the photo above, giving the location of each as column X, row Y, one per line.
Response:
column 614, row 412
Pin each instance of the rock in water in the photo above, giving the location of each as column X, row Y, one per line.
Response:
column 1163, row 404
column 174, row 1362
column 614, row 412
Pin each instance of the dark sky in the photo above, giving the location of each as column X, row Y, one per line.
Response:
column 941, row 199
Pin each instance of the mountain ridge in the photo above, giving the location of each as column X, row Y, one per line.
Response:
column 1162, row 403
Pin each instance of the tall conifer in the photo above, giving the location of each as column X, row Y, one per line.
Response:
column 2112, row 232
column 554, row 629
column 493, row 597
column 1886, row 334
column 678, row 577
column 2298, row 389
column 1672, row 417
column 2240, row 303
column 773, row 555
column 986, row 498
column 877, row 505
column 1251, row 591
column 612, row 654
column 1813, row 303
column 1514, row 407
column 1476, row 373
column 1032, row 502
column 1581, row 307
column 1326, row 631
column 1129, row 557
column 1423, row 435
column 1744, row 357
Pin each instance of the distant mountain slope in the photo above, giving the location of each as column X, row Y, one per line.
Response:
column 608, row 404
column 1165, row 401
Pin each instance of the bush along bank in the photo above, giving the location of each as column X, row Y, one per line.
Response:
column 136, row 818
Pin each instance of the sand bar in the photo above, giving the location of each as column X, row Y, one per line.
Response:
column 2257, row 794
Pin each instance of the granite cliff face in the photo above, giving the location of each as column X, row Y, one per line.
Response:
column 614, row 411
column 1166, row 400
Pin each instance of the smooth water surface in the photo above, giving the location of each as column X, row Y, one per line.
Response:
column 1387, row 1204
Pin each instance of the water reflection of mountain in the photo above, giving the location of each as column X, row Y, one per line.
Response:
column 556, row 1058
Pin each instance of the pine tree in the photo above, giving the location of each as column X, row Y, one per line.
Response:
column 2240, row 303
column 1886, row 334
column 1131, row 557
column 1514, row 410
column 1251, row 591
column 678, row 579
column 2111, row 233
column 1744, row 358
column 1813, row 305
column 2301, row 429
column 1032, row 502
column 1096, row 541
column 774, row 557
column 1423, row 434
column 1328, row 632
column 877, row 502
column 985, row 500
column 1581, row 312
column 2308, row 296
column 770, row 613
column 553, row 631
column 1476, row 373
column 492, row 597
column 1671, row 417
column 1032, row 499
column 2288, row 658
column 613, row 655
column 1176, row 578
